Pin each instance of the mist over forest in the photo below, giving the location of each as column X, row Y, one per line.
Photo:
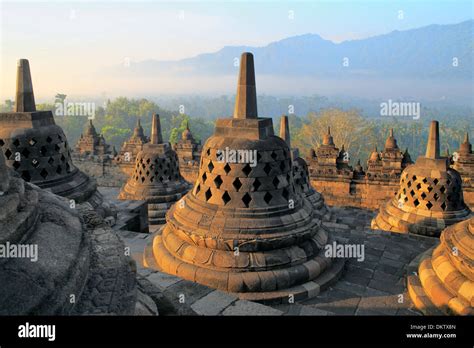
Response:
column 355, row 123
column 317, row 82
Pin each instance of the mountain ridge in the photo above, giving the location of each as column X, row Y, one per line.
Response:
column 425, row 52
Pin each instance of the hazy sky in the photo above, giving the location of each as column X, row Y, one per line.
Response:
column 68, row 42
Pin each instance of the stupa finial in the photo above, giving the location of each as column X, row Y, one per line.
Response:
column 432, row 149
column 246, row 98
column 285, row 130
column 156, row 137
column 25, row 98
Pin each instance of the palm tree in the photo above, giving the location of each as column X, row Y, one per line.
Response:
column 59, row 98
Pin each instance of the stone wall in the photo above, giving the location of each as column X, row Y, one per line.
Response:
column 363, row 193
column 360, row 193
column 106, row 172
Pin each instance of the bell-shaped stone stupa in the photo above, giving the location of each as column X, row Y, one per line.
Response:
column 130, row 149
column 430, row 197
column 37, row 149
column 91, row 143
column 156, row 178
column 244, row 228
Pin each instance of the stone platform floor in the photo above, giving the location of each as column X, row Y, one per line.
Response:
column 374, row 286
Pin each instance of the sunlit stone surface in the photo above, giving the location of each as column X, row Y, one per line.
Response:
column 156, row 178
column 245, row 228
column 430, row 195
column 445, row 278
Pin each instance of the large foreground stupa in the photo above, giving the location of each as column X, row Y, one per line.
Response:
column 55, row 260
column 430, row 197
column 244, row 228
column 37, row 149
column 156, row 178
column 444, row 283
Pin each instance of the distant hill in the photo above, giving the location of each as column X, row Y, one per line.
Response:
column 423, row 53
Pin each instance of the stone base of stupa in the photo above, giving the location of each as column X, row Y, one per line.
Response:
column 429, row 223
column 322, row 271
column 159, row 199
column 77, row 254
column 440, row 280
column 291, row 264
column 320, row 208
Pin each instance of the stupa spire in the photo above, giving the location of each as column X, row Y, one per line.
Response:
column 432, row 149
column 328, row 139
column 285, row 130
column 156, row 137
column 246, row 98
column 25, row 98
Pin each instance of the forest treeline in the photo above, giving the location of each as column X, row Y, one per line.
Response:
column 359, row 134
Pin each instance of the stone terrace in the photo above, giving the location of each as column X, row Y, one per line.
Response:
column 374, row 286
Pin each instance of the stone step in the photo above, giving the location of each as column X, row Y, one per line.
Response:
column 301, row 292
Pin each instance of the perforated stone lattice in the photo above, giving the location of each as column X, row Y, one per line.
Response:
column 436, row 194
column 150, row 168
column 300, row 176
column 41, row 157
column 240, row 185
